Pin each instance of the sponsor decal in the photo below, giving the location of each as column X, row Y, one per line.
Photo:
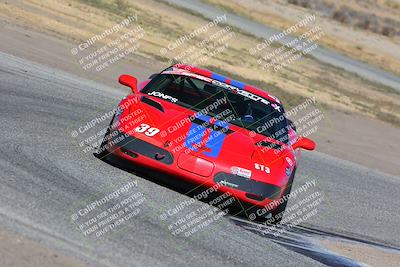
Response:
column 163, row 96
column 241, row 172
column 261, row 167
column 289, row 161
column 241, row 92
column 223, row 182
column 230, row 87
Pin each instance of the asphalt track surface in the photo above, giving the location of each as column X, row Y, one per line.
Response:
column 323, row 54
column 45, row 175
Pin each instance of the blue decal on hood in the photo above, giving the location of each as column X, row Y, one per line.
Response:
column 197, row 136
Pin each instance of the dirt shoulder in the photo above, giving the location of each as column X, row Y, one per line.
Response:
column 18, row 251
column 370, row 255
column 355, row 28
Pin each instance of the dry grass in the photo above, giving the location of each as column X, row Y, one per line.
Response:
column 80, row 20
column 373, row 16
column 356, row 28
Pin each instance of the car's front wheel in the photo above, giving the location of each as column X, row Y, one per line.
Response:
column 102, row 151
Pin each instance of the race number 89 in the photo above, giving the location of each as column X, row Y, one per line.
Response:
column 147, row 129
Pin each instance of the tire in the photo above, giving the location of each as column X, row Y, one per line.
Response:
column 276, row 215
column 102, row 151
column 278, row 212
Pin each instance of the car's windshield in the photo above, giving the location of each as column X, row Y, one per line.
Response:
column 232, row 105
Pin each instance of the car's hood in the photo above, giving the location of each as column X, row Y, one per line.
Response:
column 181, row 130
column 182, row 127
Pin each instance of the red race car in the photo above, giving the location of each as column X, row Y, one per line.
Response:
column 210, row 130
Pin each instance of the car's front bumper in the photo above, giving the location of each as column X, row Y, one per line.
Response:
column 151, row 156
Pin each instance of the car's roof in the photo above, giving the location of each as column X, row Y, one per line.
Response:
column 218, row 77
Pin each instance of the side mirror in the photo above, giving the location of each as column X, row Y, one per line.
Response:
column 129, row 81
column 304, row 143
